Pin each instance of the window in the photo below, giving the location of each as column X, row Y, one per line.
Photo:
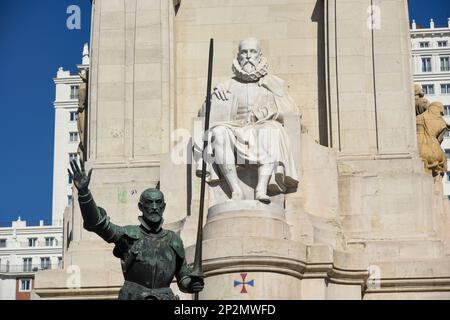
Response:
column 45, row 263
column 424, row 44
column 428, row 88
column 60, row 262
column 27, row 264
column 442, row 44
column 70, row 179
column 73, row 136
column 448, row 176
column 73, row 116
column 2, row 243
column 426, row 64
column 447, row 111
column 73, row 92
column 445, row 88
column 445, row 63
column 25, row 285
column 69, row 200
column 73, row 156
column 4, row 265
column 50, row 242
column 32, row 242
column 447, row 134
column 447, row 153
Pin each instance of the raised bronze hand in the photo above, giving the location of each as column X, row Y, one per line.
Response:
column 79, row 177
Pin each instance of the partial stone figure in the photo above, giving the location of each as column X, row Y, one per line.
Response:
column 81, row 114
column 431, row 128
column 420, row 100
column 247, row 127
column 151, row 256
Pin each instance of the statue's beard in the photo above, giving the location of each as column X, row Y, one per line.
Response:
column 153, row 218
column 249, row 71
column 248, row 66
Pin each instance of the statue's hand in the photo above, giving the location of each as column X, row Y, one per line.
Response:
column 79, row 177
column 265, row 112
column 221, row 93
column 196, row 284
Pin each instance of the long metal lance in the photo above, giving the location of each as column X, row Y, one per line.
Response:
column 198, row 269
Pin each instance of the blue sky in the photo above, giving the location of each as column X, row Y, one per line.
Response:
column 423, row 10
column 34, row 42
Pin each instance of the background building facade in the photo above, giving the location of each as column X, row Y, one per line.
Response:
column 66, row 134
column 24, row 250
column 431, row 67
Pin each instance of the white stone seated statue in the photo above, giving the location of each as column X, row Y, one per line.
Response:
column 249, row 147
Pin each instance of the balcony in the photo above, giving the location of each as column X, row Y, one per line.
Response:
column 28, row 268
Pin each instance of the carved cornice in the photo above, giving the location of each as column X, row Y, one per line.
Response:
column 292, row 267
column 438, row 284
column 104, row 293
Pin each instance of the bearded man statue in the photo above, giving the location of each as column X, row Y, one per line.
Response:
column 247, row 127
column 150, row 256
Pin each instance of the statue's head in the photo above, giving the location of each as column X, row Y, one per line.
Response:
column 249, row 55
column 421, row 103
column 418, row 91
column 152, row 205
column 436, row 108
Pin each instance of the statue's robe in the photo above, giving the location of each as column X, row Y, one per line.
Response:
column 421, row 105
column 253, row 117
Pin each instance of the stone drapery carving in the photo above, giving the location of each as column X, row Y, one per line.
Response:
column 151, row 257
column 431, row 128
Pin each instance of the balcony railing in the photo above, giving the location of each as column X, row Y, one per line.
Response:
column 40, row 244
column 28, row 268
column 33, row 223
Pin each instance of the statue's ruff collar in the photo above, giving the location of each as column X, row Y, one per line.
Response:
column 261, row 71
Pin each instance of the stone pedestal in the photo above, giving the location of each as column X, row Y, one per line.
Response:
column 246, row 218
column 248, row 254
